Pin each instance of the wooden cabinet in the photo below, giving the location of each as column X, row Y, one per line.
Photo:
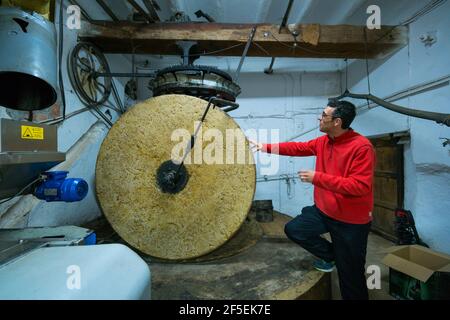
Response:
column 388, row 183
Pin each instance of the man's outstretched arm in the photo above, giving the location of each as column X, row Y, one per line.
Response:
column 301, row 149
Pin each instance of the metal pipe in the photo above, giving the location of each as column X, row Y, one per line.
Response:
column 286, row 15
column 150, row 5
column 282, row 25
column 102, row 115
column 424, row 87
column 212, row 101
column 269, row 70
column 244, row 54
column 419, row 88
column 428, row 115
column 276, row 178
column 116, row 96
column 108, row 10
column 140, row 10
column 60, row 57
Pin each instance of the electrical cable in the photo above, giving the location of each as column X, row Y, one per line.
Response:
column 440, row 118
column 60, row 119
column 216, row 51
column 425, row 10
column 302, row 48
column 23, row 189
column 420, row 13
column 262, row 49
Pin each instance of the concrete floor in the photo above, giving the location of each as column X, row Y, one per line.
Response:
column 375, row 252
column 272, row 269
column 259, row 262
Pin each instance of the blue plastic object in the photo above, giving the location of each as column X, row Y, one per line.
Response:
column 56, row 187
column 90, row 239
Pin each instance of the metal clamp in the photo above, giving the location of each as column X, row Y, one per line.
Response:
column 222, row 103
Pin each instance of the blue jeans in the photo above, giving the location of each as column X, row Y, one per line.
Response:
column 347, row 249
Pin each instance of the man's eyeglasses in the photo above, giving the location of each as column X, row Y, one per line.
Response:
column 324, row 115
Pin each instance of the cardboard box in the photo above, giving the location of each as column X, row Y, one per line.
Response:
column 418, row 273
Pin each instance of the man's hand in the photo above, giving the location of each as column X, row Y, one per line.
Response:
column 255, row 146
column 306, row 175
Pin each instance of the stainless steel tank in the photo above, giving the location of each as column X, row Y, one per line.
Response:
column 27, row 60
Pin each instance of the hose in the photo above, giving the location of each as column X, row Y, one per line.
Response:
column 443, row 118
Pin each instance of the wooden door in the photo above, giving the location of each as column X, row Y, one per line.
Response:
column 388, row 184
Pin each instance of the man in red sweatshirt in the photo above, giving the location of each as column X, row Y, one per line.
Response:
column 343, row 196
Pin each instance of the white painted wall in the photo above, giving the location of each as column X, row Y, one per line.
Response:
column 426, row 161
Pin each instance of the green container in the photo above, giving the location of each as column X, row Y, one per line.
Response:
column 405, row 287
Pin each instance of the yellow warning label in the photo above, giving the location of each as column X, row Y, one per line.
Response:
column 35, row 133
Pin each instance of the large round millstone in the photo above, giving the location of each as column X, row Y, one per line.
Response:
column 198, row 214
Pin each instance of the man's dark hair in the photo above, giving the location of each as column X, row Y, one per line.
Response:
column 344, row 110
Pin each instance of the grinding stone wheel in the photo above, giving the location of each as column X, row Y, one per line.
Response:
column 192, row 222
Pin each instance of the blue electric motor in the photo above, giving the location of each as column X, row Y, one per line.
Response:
column 56, row 187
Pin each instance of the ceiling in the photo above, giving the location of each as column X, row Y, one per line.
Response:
column 238, row 11
column 242, row 11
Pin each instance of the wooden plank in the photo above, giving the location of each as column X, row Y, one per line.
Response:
column 313, row 40
column 386, row 159
column 386, row 205
column 386, row 174
column 386, row 190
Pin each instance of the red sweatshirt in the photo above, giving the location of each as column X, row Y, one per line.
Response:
column 344, row 174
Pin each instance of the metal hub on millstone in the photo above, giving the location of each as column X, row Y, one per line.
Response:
column 200, row 81
column 171, row 177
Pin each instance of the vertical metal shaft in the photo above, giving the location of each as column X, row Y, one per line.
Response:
column 108, row 10
column 244, row 54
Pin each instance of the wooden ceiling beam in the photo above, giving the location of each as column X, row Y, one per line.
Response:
column 310, row 40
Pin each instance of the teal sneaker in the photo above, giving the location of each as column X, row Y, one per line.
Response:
column 324, row 266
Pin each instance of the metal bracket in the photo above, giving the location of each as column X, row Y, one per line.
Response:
column 269, row 70
column 186, row 46
column 222, row 103
column 244, row 54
